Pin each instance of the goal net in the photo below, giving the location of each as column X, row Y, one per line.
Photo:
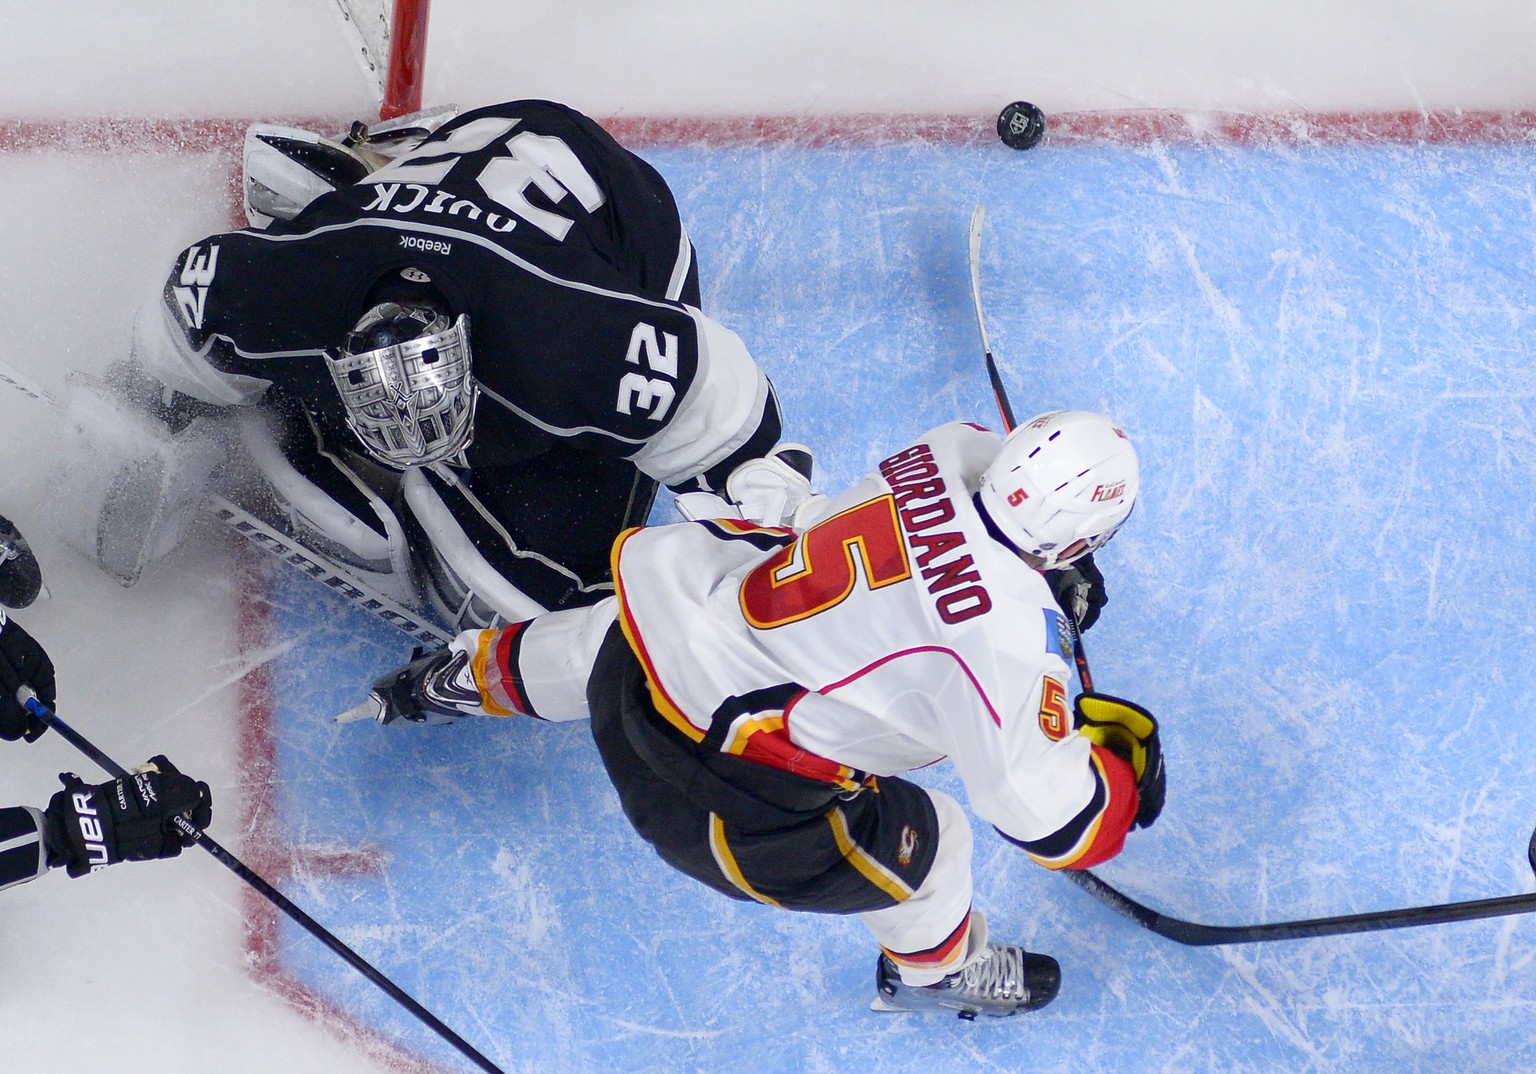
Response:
column 390, row 41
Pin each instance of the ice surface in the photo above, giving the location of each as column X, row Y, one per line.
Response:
column 1321, row 353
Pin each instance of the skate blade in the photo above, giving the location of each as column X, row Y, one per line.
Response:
column 371, row 708
column 881, row 1004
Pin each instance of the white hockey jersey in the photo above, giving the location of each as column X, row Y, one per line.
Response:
column 892, row 634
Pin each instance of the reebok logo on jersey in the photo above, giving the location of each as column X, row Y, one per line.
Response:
column 426, row 246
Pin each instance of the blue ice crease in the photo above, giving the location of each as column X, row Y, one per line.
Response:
column 1325, row 594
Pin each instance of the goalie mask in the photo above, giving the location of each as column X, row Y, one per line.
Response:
column 405, row 381
column 1060, row 486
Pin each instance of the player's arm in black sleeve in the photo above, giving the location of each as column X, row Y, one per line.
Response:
column 87, row 828
column 23, row 854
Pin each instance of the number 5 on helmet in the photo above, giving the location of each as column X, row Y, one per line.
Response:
column 1130, row 732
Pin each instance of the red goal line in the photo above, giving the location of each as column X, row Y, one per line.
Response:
column 1069, row 128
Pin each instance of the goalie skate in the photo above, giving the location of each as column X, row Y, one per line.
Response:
column 1008, row 981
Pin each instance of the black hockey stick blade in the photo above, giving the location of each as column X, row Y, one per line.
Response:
column 28, row 698
column 1195, row 934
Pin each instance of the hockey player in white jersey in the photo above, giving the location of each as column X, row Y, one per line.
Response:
column 755, row 694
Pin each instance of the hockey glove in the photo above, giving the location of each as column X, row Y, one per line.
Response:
column 1079, row 590
column 126, row 819
column 22, row 663
column 1130, row 732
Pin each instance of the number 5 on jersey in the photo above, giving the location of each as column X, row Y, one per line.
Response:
column 652, row 394
column 819, row 571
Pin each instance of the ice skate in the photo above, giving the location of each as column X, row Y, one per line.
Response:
column 1007, row 981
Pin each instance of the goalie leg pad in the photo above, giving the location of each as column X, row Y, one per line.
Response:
column 377, row 551
column 466, row 589
column 128, row 488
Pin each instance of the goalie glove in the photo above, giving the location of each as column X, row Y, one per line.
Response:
column 775, row 490
column 125, row 819
column 1130, row 732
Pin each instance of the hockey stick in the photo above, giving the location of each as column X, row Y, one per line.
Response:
column 355, row 590
column 1189, row 932
column 1194, row 934
column 1005, row 408
column 978, row 217
column 270, row 893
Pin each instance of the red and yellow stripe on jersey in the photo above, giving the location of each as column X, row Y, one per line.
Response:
column 494, row 663
column 1098, row 831
column 759, row 737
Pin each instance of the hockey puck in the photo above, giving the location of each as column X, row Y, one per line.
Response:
column 1021, row 125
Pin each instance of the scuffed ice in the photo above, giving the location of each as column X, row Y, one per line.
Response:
column 1322, row 355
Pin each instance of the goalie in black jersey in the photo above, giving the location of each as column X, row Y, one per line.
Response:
column 477, row 350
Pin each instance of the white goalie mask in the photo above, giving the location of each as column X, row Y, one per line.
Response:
column 405, row 382
column 1060, row 486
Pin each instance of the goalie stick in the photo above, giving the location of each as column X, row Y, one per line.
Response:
column 354, row 590
column 28, row 698
column 1192, row 933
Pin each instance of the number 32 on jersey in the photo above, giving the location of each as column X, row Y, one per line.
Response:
column 656, row 354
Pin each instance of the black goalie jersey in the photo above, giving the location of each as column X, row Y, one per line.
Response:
column 565, row 250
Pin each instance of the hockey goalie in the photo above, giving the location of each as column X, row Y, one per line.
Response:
column 455, row 355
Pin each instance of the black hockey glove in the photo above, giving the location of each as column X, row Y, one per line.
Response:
column 1079, row 590
column 127, row 819
column 1130, row 732
column 22, row 663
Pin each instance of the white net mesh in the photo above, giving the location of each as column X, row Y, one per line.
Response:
column 368, row 24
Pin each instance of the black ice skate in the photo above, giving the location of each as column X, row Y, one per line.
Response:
column 436, row 688
column 21, row 579
column 1008, row 981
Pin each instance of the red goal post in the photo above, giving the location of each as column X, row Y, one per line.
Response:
column 390, row 41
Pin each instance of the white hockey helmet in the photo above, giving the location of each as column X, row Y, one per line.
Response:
column 405, row 381
column 1060, row 486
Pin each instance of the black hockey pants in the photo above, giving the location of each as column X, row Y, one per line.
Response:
column 746, row 829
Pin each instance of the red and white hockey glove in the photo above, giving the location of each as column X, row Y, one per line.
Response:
column 1130, row 732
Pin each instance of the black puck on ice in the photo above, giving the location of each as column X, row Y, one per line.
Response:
column 1021, row 125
